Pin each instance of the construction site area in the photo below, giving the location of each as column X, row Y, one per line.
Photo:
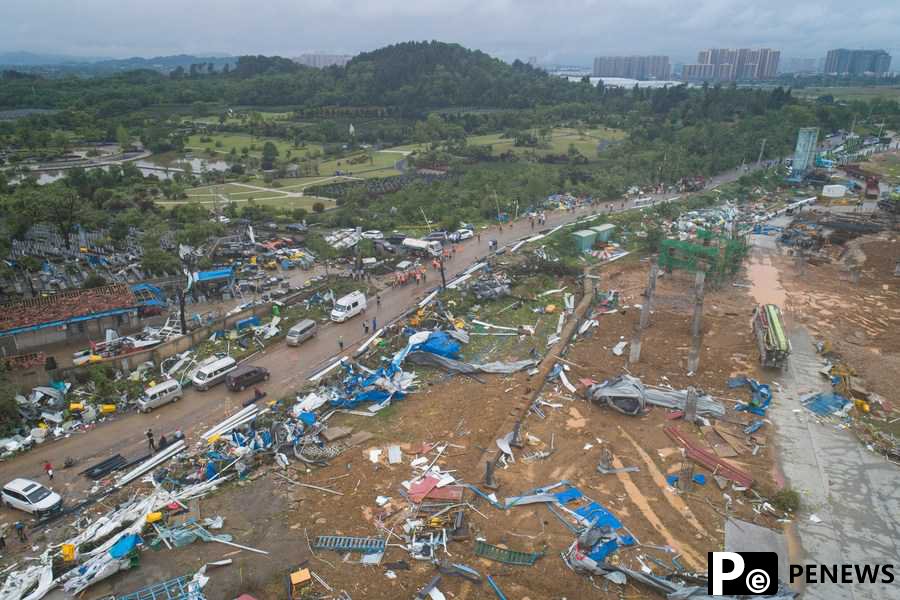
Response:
column 582, row 410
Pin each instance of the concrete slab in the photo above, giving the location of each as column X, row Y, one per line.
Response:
column 742, row 536
column 853, row 491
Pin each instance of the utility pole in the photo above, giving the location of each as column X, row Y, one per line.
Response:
column 358, row 263
column 635, row 352
column 762, row 149
column 427, row 222
column 696, row 324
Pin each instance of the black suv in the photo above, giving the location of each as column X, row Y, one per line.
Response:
column 243, row 377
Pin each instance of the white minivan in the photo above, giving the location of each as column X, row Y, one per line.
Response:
column 213, row 373
column 349, row 306
column 159, row 394
column 301, row 332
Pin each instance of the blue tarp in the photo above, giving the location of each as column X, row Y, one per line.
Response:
column 201, row 276
column 248, row 322
column 359, row 387
column 440, row 343
column 826, row 403
column 595, row 515
column 762, row 395
column 125, row 545
column 153, row 297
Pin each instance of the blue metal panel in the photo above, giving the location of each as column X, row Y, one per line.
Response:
column 214, row 275
column 79, row 319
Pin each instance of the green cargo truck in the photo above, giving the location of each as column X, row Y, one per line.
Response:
column 774, row 346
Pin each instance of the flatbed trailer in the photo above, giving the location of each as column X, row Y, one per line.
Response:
column 774, row 346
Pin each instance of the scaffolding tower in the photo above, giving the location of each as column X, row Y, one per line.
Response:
column 720, row 256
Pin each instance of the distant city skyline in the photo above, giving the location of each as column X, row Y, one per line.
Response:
column 569, row 32
column 633, row 67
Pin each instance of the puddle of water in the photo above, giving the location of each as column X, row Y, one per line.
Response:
column 766, row 287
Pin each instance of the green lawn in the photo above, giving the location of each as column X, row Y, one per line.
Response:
column 266, row 116
column 240, row 140
column 850, row 92
column 273, row 198
column 888, row 165
column 560, row 139
column 382, row 165
column 296, row 184
column 209, row 190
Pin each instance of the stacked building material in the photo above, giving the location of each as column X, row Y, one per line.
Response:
column 65, row 306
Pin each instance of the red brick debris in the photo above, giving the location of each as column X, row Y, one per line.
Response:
column 23, row 362
column 65, row 305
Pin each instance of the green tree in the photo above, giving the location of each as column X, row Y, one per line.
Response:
column 10, row 420
column 63, row 208
column 122, row 137
column 269, row 154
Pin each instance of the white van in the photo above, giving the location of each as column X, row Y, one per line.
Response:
column 349, row 306
column 301, row 332
column 213, row 373
column 643, row 202
column 159, row 394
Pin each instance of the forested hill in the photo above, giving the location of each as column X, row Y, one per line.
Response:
column 436, row 74
column 410, row 76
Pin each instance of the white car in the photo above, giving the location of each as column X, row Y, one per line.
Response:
column 31, row 497
column 461, row 234
column 373, row 234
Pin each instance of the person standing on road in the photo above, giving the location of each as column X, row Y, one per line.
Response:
column 374, row 324
column 378, row 301
column 365, row 327
column 341, row 343
column 3, row 537
column 150, row 441
column 20, row 532
column 48, row 469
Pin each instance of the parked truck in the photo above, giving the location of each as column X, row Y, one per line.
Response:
column 429, row 246
column 768, row 326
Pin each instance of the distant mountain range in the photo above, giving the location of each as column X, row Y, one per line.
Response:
column 59, row 63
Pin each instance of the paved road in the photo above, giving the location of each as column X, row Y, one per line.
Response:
column 289, row 367
column 852, row 491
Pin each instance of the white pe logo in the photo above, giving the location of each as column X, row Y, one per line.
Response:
column 736, row 573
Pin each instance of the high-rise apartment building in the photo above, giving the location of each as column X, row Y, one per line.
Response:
column 730, row 64
column 633, row 67
column 842, row 61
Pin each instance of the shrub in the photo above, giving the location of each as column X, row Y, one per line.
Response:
column 786, row 499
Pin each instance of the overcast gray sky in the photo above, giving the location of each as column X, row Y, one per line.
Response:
column 568, row 31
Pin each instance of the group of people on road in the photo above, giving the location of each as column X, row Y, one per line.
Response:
column 538, row 219
column 417, row 273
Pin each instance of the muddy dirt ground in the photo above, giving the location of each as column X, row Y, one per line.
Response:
column 271, row 514
column 274, row 515
column 859, row 321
